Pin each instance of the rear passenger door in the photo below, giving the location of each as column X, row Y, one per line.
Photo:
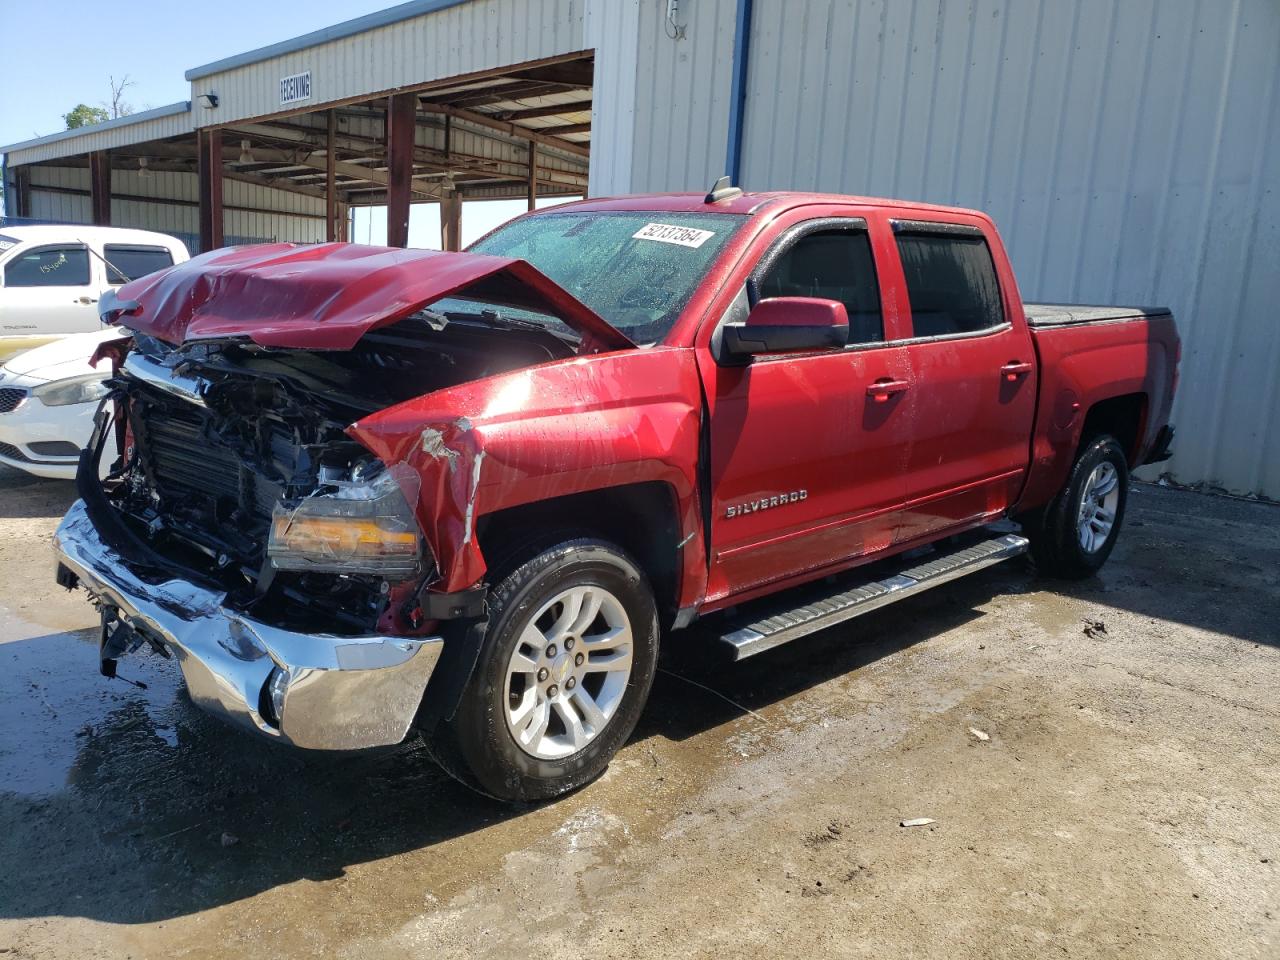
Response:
column 973, row 379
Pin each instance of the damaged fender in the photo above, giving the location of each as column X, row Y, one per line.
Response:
column 573, row 426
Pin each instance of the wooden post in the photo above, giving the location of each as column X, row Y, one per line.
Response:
column 22, row 186
column 402, row 111
column 533, row 175
column 210, row 175
column 331, row 228
column 100, row 187
column 451, row 221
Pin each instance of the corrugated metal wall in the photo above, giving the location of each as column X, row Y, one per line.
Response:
column 282, row 216
column 463, row 39
column 1129, row 151
column 611, row 28
column 682, row 97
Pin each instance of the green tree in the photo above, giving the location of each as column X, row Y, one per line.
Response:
column 82, row 115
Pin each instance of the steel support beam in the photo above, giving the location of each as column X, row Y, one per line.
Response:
column 510, row 129
column 22, row 188
column 402, row 111
column 451, row 221
column 551, row 110
column 210, row 176
column 533, row 176
column 100, row 187
column 331, row 229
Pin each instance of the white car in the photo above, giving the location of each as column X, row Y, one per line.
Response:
column 51, row 277
column 48, row 397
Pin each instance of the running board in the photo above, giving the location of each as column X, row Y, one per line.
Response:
column 784, row 623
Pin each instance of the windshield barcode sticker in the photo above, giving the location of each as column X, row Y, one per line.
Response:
column 666, row 233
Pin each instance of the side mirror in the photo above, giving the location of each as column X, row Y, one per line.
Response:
column 788, row 324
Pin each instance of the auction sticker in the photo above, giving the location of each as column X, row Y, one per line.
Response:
column 666, row 233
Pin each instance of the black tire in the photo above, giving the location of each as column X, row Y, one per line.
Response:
column 1053, row 530
column 476, row 746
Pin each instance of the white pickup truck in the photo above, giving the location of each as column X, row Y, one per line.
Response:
column 51, row 276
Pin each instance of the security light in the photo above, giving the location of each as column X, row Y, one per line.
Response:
column 208, row 100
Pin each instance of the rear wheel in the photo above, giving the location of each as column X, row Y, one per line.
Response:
column 1074, row 534
column 563, row 674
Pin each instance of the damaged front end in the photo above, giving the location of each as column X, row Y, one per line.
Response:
column 238, row 470
column 246, row 531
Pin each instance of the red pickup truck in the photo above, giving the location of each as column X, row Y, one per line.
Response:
column 365, row 492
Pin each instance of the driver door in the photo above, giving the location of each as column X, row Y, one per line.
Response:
column 807, row 456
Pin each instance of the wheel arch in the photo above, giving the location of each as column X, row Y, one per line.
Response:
column 1123, row 416
column 642, row 518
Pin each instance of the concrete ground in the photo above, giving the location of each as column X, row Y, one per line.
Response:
column 1123, row 801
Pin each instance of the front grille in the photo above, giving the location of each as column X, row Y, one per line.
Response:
column 12, row 452
column 10, row 397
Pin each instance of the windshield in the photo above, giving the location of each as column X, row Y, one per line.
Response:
column 636, row 270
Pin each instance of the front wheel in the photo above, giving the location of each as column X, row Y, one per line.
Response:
column 1074, row 534
column 563, row 674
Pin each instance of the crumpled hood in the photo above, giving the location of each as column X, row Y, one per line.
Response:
column 327, row 296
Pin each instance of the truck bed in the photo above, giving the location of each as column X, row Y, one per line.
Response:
column 1089, row 355
column 1066, row 314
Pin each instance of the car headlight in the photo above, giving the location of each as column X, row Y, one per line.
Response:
column 356, row 526
column 84, row 389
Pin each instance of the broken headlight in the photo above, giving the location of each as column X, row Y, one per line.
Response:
column 358, row 525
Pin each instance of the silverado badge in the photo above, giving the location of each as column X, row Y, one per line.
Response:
column 765, row 503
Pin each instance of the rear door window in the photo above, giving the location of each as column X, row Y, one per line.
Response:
column 951, row 282
column 832, row 265
column 54, row 266
column 125, row 263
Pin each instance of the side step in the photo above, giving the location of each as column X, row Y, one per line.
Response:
column 781, row 621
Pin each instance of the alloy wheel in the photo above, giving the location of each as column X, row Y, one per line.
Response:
column 1098, row 506
column 568, row 672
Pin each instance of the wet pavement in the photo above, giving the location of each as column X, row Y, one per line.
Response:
column 1126, row 801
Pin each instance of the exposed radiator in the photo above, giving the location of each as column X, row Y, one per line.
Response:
column 187, row 465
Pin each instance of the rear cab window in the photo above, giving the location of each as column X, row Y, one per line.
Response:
column 127, row 262
column 56, row 265
column 951, row 279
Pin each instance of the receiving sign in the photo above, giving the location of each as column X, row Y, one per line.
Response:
column 295, row 88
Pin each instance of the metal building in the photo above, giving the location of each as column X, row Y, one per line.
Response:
column 1128, row 149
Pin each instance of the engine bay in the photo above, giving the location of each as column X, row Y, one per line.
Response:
column 237, row 466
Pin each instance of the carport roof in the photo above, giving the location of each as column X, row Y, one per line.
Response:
column 172, row 109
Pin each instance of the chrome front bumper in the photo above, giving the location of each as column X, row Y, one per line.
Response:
column 343, row 693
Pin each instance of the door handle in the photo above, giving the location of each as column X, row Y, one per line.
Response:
column 884, row 388
column 1015, row 369
column 85, row 300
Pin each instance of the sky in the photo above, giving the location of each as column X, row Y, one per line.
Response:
column 68, row 51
